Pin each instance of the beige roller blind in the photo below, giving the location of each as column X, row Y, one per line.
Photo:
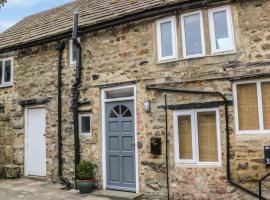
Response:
column 185, row 137
column 207, row 137
column 266, row 104
column 248, row 106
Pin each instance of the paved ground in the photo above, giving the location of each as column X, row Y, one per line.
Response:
column 27, row 189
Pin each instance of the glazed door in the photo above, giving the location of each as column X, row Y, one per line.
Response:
column 120, row 146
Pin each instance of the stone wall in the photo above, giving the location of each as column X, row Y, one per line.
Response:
column 128, row 53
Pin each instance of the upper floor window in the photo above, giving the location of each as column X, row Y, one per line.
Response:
column 72, row 52
column 193, row 34
column 166, row 39
column 252, row 107
column 6, row 72
column 221, row 29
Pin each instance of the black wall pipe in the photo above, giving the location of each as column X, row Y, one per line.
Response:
column 226, row 103
column 75, row 92
column 59, row 47
column 167, row 149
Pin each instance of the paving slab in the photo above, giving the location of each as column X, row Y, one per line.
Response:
column 28, row 189
column 117, row 195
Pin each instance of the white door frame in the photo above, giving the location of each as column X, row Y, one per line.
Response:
column 103, row 121
column 26, row 123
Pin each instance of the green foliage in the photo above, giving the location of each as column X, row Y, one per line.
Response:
column 2, row 2
column 85, row 170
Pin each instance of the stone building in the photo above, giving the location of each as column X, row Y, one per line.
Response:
column 210, row 61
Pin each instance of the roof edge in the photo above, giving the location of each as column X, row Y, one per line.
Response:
column 148, row 13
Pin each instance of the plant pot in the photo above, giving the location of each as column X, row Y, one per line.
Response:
column 85, row 186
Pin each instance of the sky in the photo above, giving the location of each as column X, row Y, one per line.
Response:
column 15, row 10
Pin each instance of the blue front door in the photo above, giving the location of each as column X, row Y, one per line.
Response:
column 120, row 146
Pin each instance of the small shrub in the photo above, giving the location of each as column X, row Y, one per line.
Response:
column 85, row 170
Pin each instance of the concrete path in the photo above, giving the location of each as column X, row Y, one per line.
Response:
column 27, row 189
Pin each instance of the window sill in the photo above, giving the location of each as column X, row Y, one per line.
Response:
column 258, row 133
column 167, row 61
column 6, row 85
column 208, row 165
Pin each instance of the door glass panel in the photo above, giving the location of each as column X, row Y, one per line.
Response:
column 185, row 137
column 207, row 137
column 266, row 104
column 166, row 39
column 120, row 93
column 221, row 30
column 193, row 38
column 248, row 115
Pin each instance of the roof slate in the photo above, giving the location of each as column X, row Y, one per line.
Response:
column 59, row 20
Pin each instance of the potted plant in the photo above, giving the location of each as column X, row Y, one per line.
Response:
column 85, row 176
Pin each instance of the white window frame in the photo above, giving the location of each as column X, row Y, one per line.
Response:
column 80, row 123
column 10, row 83
column 214, row 50
column 184, row 35
column 174, row 40
column 195, row 146
column 71, row 61
column 260, row 108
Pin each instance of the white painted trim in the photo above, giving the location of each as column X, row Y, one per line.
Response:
column 260, row 107
column 173, row 57
column 80, row 123
column 184, row 34
column 10, row 83
column 195, row 161
column 26, row 135
column 71, row 61
column 103, row 102
column 227, row 8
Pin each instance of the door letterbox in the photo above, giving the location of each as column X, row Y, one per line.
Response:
column 156, row 146
column 267, row 155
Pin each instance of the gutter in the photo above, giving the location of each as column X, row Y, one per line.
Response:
column 149, row 13
column 226, row 104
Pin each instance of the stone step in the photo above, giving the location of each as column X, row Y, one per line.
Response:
column 116, row 195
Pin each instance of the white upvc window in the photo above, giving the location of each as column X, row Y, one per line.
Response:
column 85, row 124
column 72, row 52
column 193, row 34
column 197, row 137
column 166, row 39
column 252, row 106
column 221, row 29
column 6, row 72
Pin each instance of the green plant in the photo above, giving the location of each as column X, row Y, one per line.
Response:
column 85, row 170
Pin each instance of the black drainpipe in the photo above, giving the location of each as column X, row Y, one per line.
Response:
column 75, row 92
column 226, row 103
column 167, row 149
column 59, row 47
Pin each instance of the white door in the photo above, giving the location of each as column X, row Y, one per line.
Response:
column 35, row 145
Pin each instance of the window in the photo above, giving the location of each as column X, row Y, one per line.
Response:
column 6, row 72
column 252, row 107
column 72, row 52
column 193, row 34
column 197, row 137
column 166, row 39
column 85, row 123
column 221, row 30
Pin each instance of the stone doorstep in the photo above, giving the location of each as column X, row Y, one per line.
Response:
column 36, row 178
column 116, row 195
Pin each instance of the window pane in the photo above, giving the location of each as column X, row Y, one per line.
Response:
column 85, row 124
column 166, row 39
column 74, row 52
column 112, row 94
column 221, row 30
column 7, row 75
column 193, row 35
column 1, row 68
column 248, row 106
column 266, row 104
column 207, row 136
column 185, row 137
